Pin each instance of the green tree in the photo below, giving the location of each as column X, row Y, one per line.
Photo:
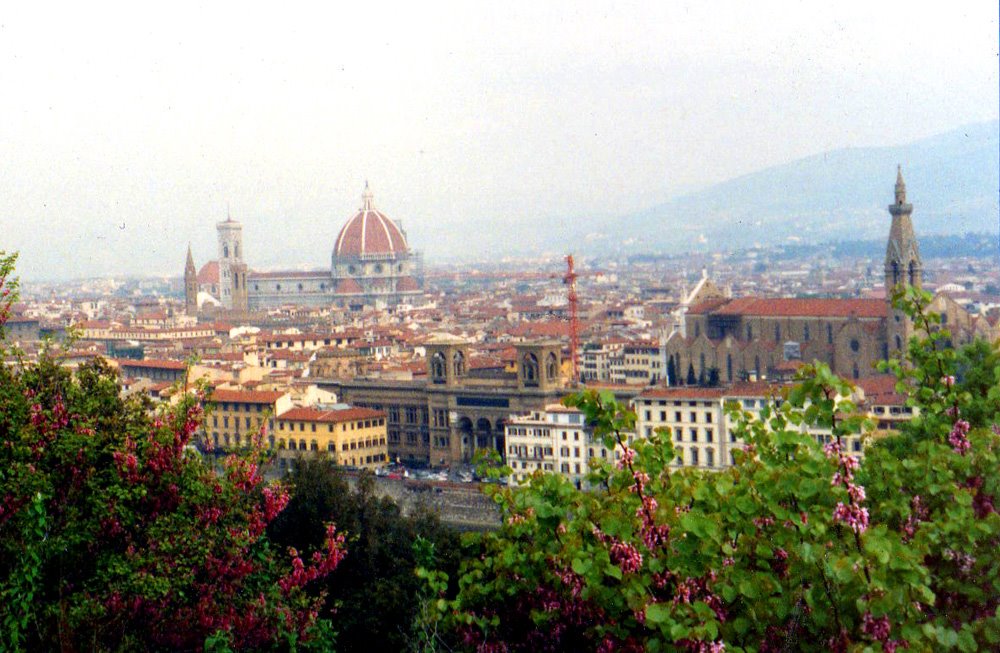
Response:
column 374, row 591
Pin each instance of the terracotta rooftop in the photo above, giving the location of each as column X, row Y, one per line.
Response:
column 153, row 364
column 246, row 396
column 209, row 273
column 793, row 307
column 330, row 416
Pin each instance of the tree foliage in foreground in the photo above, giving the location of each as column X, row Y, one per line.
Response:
column 373, row 596
column 797, row 547
column 115, row 535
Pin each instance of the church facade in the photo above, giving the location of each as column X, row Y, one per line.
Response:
column 726, row 340
column 371, row 265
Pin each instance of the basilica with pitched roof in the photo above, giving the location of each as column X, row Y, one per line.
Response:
column 727, row 339
column 371, row 265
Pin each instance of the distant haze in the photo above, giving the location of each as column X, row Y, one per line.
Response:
column 126, row 131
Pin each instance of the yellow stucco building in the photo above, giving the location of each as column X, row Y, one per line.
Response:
column 353, row 437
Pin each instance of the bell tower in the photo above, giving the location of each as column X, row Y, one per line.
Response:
column 232, row 269
column 190, row 285
column 902, row 263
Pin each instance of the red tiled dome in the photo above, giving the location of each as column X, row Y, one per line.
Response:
column 370, row 232
column 209, row 273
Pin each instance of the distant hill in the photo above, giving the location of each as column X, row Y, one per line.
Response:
column 953, row 181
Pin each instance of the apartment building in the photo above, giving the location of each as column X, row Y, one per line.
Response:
column 556, row 439
column 233, row 416
column 354, row 437
column 703, row 433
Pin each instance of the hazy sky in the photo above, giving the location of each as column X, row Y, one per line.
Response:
column 125, row 130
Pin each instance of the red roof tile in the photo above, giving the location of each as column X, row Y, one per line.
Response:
column 330, row 416
column 794, row 307
column 246, row 396
column 209, row 273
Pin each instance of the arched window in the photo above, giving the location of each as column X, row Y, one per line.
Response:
column 458, row 360
column 694, row 455
column 729, row 367
column 749, row 332
column 529, row 369
column 856, row 373
column 710, row 457
column 899, row 342
column 551, row 367
column 225, row 251
column 805, row 333
column 912, row 272
column 829, row 334
column 437, row 367
column 895, row 274
column 777, row 332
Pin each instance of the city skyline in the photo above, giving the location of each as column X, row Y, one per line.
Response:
column 129, row 138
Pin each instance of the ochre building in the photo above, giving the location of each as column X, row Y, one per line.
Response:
column 353, row 437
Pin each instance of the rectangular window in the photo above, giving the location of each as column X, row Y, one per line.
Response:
column 694, row 434
column 694, row 416
column 709, row 435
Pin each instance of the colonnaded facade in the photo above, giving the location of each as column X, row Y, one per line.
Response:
column 371, row 265
column 443, row 419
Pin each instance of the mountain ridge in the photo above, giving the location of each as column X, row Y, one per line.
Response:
column 953, row 180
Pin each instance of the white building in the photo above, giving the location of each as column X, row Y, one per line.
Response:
column 703, row 434
column 556, row 439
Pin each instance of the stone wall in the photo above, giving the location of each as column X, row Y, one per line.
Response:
column 460, row 505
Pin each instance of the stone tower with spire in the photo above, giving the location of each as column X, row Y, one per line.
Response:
column 190, row 285
column 902, row 263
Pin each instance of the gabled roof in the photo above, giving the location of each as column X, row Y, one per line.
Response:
column 794, row 307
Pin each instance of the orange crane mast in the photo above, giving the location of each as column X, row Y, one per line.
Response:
column 574, row 326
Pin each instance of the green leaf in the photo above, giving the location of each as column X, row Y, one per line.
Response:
column 657, row 613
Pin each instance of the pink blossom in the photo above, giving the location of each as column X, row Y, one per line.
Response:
column 877, row 629
column 626, row 556
column 958, row 438
column 853, row 516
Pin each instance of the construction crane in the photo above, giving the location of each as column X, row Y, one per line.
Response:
column 574, row 326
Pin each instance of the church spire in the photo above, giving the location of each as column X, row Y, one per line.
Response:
column 900, row 206
column 190, row 285
column 900, row 186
